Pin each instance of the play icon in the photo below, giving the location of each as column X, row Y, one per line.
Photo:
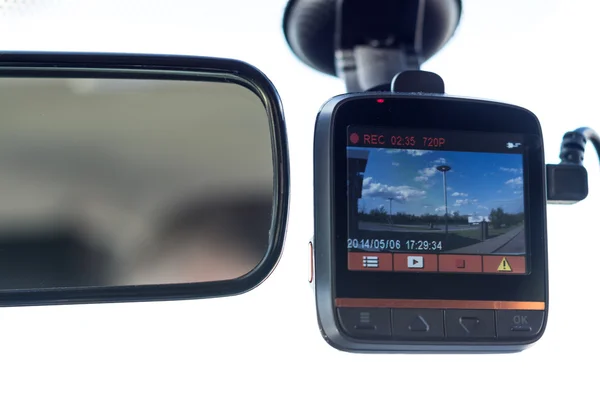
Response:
column 415, row 262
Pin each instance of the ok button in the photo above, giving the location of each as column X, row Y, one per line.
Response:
column 519, row 323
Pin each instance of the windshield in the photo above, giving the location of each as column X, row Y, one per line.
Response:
column 539, row 54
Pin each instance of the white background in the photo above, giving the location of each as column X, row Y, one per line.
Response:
column 538, row 54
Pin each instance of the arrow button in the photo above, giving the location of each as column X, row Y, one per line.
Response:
column 408, row 324
column 419, row 325
column 469, row 324
column 462, row 324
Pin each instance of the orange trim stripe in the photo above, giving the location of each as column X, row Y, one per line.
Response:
column 457, row 304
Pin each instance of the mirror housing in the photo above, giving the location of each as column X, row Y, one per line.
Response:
column 170, row 70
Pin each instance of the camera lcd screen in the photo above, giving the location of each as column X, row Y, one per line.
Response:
column 436, row 201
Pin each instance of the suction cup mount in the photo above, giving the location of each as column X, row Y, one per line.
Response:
column 367, row 43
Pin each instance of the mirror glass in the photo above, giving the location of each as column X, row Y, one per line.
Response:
column 114, row 182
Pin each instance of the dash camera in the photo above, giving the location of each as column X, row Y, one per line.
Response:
column 430, row 224
column 430, row 210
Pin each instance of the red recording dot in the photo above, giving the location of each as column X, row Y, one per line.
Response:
column 354, row 138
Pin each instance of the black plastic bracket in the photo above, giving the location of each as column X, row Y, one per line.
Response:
column 418, row 82
column 367, row 55
column 413, row 82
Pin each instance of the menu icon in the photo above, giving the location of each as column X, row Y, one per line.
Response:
column 376, row 262
column 370, row 261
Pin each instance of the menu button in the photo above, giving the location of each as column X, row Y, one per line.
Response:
column 365, row 323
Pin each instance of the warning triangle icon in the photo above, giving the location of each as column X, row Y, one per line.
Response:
column 504, row 266
column 419, row 325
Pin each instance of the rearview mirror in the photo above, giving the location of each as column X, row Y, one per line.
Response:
column 137, row 178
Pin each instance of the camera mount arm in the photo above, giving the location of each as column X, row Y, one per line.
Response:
column 370, row 52
column 366, row 43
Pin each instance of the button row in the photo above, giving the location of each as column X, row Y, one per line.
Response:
column 423, row 324
column 403, row 262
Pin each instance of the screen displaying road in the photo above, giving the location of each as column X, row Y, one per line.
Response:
column 461, row 206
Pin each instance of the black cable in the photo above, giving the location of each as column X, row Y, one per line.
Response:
column 592, row 136
column 573, row 145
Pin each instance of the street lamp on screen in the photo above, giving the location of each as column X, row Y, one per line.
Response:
column 443, row 169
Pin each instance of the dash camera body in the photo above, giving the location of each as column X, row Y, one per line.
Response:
column 430, row 224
